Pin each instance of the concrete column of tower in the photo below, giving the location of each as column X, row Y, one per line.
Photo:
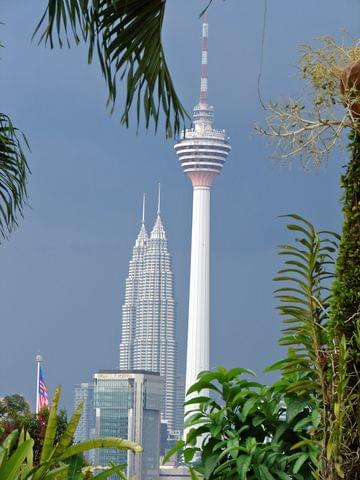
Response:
column 199, row 291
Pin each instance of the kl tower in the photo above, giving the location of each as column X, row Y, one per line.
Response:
column 202, row 152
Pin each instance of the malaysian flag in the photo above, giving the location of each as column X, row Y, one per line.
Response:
column 42, row 392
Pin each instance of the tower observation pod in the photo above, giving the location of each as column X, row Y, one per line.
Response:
column 202, row 151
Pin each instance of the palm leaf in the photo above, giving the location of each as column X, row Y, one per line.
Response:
column 50, row 433
column 11, row 468
column 126, row 35
column 13, row 175
column 110, row 442
column 68, row 435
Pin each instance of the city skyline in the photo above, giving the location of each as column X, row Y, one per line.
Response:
column 68, row 253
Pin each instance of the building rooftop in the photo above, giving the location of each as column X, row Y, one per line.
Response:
column 144, row 372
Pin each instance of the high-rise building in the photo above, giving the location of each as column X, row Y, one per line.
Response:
column 84, row 392
column 148, row 313
column 133, row 292
column 128, row 405
column 179, row 403
column 202, row 151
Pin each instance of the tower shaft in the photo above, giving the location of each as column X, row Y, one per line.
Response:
column 199, row 293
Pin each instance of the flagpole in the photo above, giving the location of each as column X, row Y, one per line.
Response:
column 38, row 360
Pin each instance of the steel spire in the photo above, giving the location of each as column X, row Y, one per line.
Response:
column 143, row 210
column 159, row 199
column 204, row 61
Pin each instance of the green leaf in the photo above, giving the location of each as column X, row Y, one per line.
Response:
column 242, row 466
column 302, row 423
column 67, row 437
column 50, row 433
column 234, row 372
column 14, row 172
column 265, row 473
column 210, row 462
column 299, row 462
column 74, row 472
column 127, row 38
column 116, row 469
column 189, row 454
column 281, row 475
column 10, row 469
column 248, row 406
column 193, row 474
column 58, row 473
column 178, row 447
column 107, row 442
column 294, row 405
column 10, row 440
column 3, row 455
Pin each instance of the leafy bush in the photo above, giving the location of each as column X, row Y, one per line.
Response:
column 248, row 430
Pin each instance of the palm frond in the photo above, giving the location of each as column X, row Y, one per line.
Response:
column 126, row 35
column 13, row 175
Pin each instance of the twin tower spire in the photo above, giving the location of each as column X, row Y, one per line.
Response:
column 158, row 204
column 158, row 231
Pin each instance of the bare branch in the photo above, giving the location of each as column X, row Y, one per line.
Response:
column 310, row 129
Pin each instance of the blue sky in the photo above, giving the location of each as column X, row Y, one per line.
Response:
column 63, row 271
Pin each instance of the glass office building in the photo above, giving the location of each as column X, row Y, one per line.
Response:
column 84, row 392
column 128, row 405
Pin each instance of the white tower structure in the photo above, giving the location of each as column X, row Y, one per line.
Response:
column 202, row 152
column 148, row 315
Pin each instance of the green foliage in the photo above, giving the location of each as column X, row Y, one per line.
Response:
column 126, row 35
column 14, row 405
column 59, row 458
column 13, row 175
column 16, row 415
column 345, row 328
column 346, row 288
column 248, row 430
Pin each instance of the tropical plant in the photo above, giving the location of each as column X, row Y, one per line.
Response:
column 126, row 36
column 13, row 175
column 305, row 299
column 310, row 131
column 34, row 424
column 345, row 325
column 58, row 459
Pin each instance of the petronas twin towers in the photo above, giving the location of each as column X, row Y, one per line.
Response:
column 148, row 313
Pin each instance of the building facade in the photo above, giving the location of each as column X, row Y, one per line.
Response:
column 128, row 405
column 84, row 392
column 148, row 313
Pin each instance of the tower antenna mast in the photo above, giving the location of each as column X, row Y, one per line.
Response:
column 204, row 61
